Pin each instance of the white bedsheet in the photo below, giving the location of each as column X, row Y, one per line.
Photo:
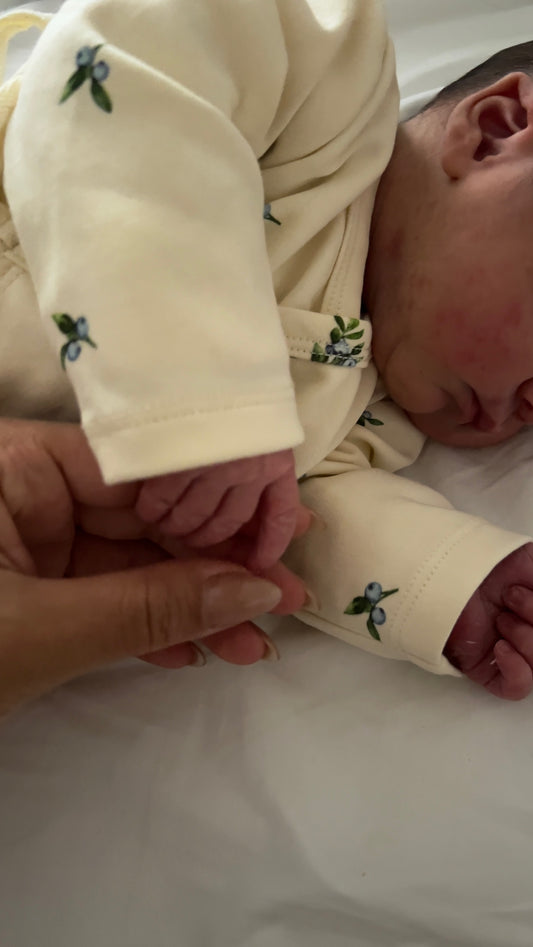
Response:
column 331, row 800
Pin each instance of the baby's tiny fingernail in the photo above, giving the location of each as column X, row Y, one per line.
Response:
column 271, row 652
column 503, row 647
column 199, row 659
column 311, row 601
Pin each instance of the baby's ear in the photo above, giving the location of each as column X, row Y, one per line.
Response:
column 493, row 122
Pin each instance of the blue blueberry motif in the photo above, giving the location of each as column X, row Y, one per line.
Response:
column 368, row 418
column 76, row 332
column 96, row 74
column 267, row 215
column 340, row 350
column 85, row 56
column 100, row 71
column 82, row 327
column 373, row 592
column 73, row 351
column 368, row 604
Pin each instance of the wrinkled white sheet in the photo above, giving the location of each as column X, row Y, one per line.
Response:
column 331, row 800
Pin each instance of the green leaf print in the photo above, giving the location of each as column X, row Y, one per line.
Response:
column 88, row 69
column 386, row 594
column 370, row 602
column 339, row 350
column 65, row 323
column 63, row 355
column 318, row 354
column 77, row 333
column 76, row 80
column 373, row 630
column 100, row 96
column 357, row 606
column 341, row 323
column 367, row 418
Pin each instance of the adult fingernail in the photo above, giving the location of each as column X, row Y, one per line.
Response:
column 271, row 652
column 232, row 597
column 199, row 659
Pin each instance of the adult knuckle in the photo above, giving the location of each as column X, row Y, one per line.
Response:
column 165, row 617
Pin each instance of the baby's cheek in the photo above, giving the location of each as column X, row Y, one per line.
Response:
column 489, row 347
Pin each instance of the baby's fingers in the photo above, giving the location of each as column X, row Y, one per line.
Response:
column 237, row 507
column 517, row 633
column 519, row 599
column 515, row 678
column 279, row 512
column 158, row 496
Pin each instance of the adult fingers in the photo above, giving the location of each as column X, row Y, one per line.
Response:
column 92, row 555
column 294, row 594
column 69, row 448
column 243, row 645
column 53, row 630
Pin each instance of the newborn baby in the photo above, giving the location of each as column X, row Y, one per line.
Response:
column 249, row 321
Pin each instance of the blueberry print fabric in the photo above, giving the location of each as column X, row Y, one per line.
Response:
column 368, row 603
column 340, row 350
column 77, row 335
column 88, row 69
column 368, row 418
column 267, row 215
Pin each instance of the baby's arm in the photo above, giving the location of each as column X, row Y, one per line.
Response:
column 395, row 564
column 208, row 505
column 492, row 641
column 149, row 259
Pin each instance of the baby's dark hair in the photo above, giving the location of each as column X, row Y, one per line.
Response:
column 513, row 59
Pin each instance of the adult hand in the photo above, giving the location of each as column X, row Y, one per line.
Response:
column 81, row 585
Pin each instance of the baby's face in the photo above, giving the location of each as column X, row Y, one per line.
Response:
column 457, row 352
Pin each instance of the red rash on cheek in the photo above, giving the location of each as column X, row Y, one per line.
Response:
column 456, row 340
column 478, row 338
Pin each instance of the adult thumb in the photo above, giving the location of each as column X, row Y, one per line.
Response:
column 54, row 630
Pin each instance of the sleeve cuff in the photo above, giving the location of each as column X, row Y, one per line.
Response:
column 443, row 586
column 160, row 445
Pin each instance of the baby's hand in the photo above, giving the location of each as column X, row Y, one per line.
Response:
column 208, row 505
column 492, row 641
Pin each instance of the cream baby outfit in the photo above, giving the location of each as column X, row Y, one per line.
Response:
column 192, row 184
